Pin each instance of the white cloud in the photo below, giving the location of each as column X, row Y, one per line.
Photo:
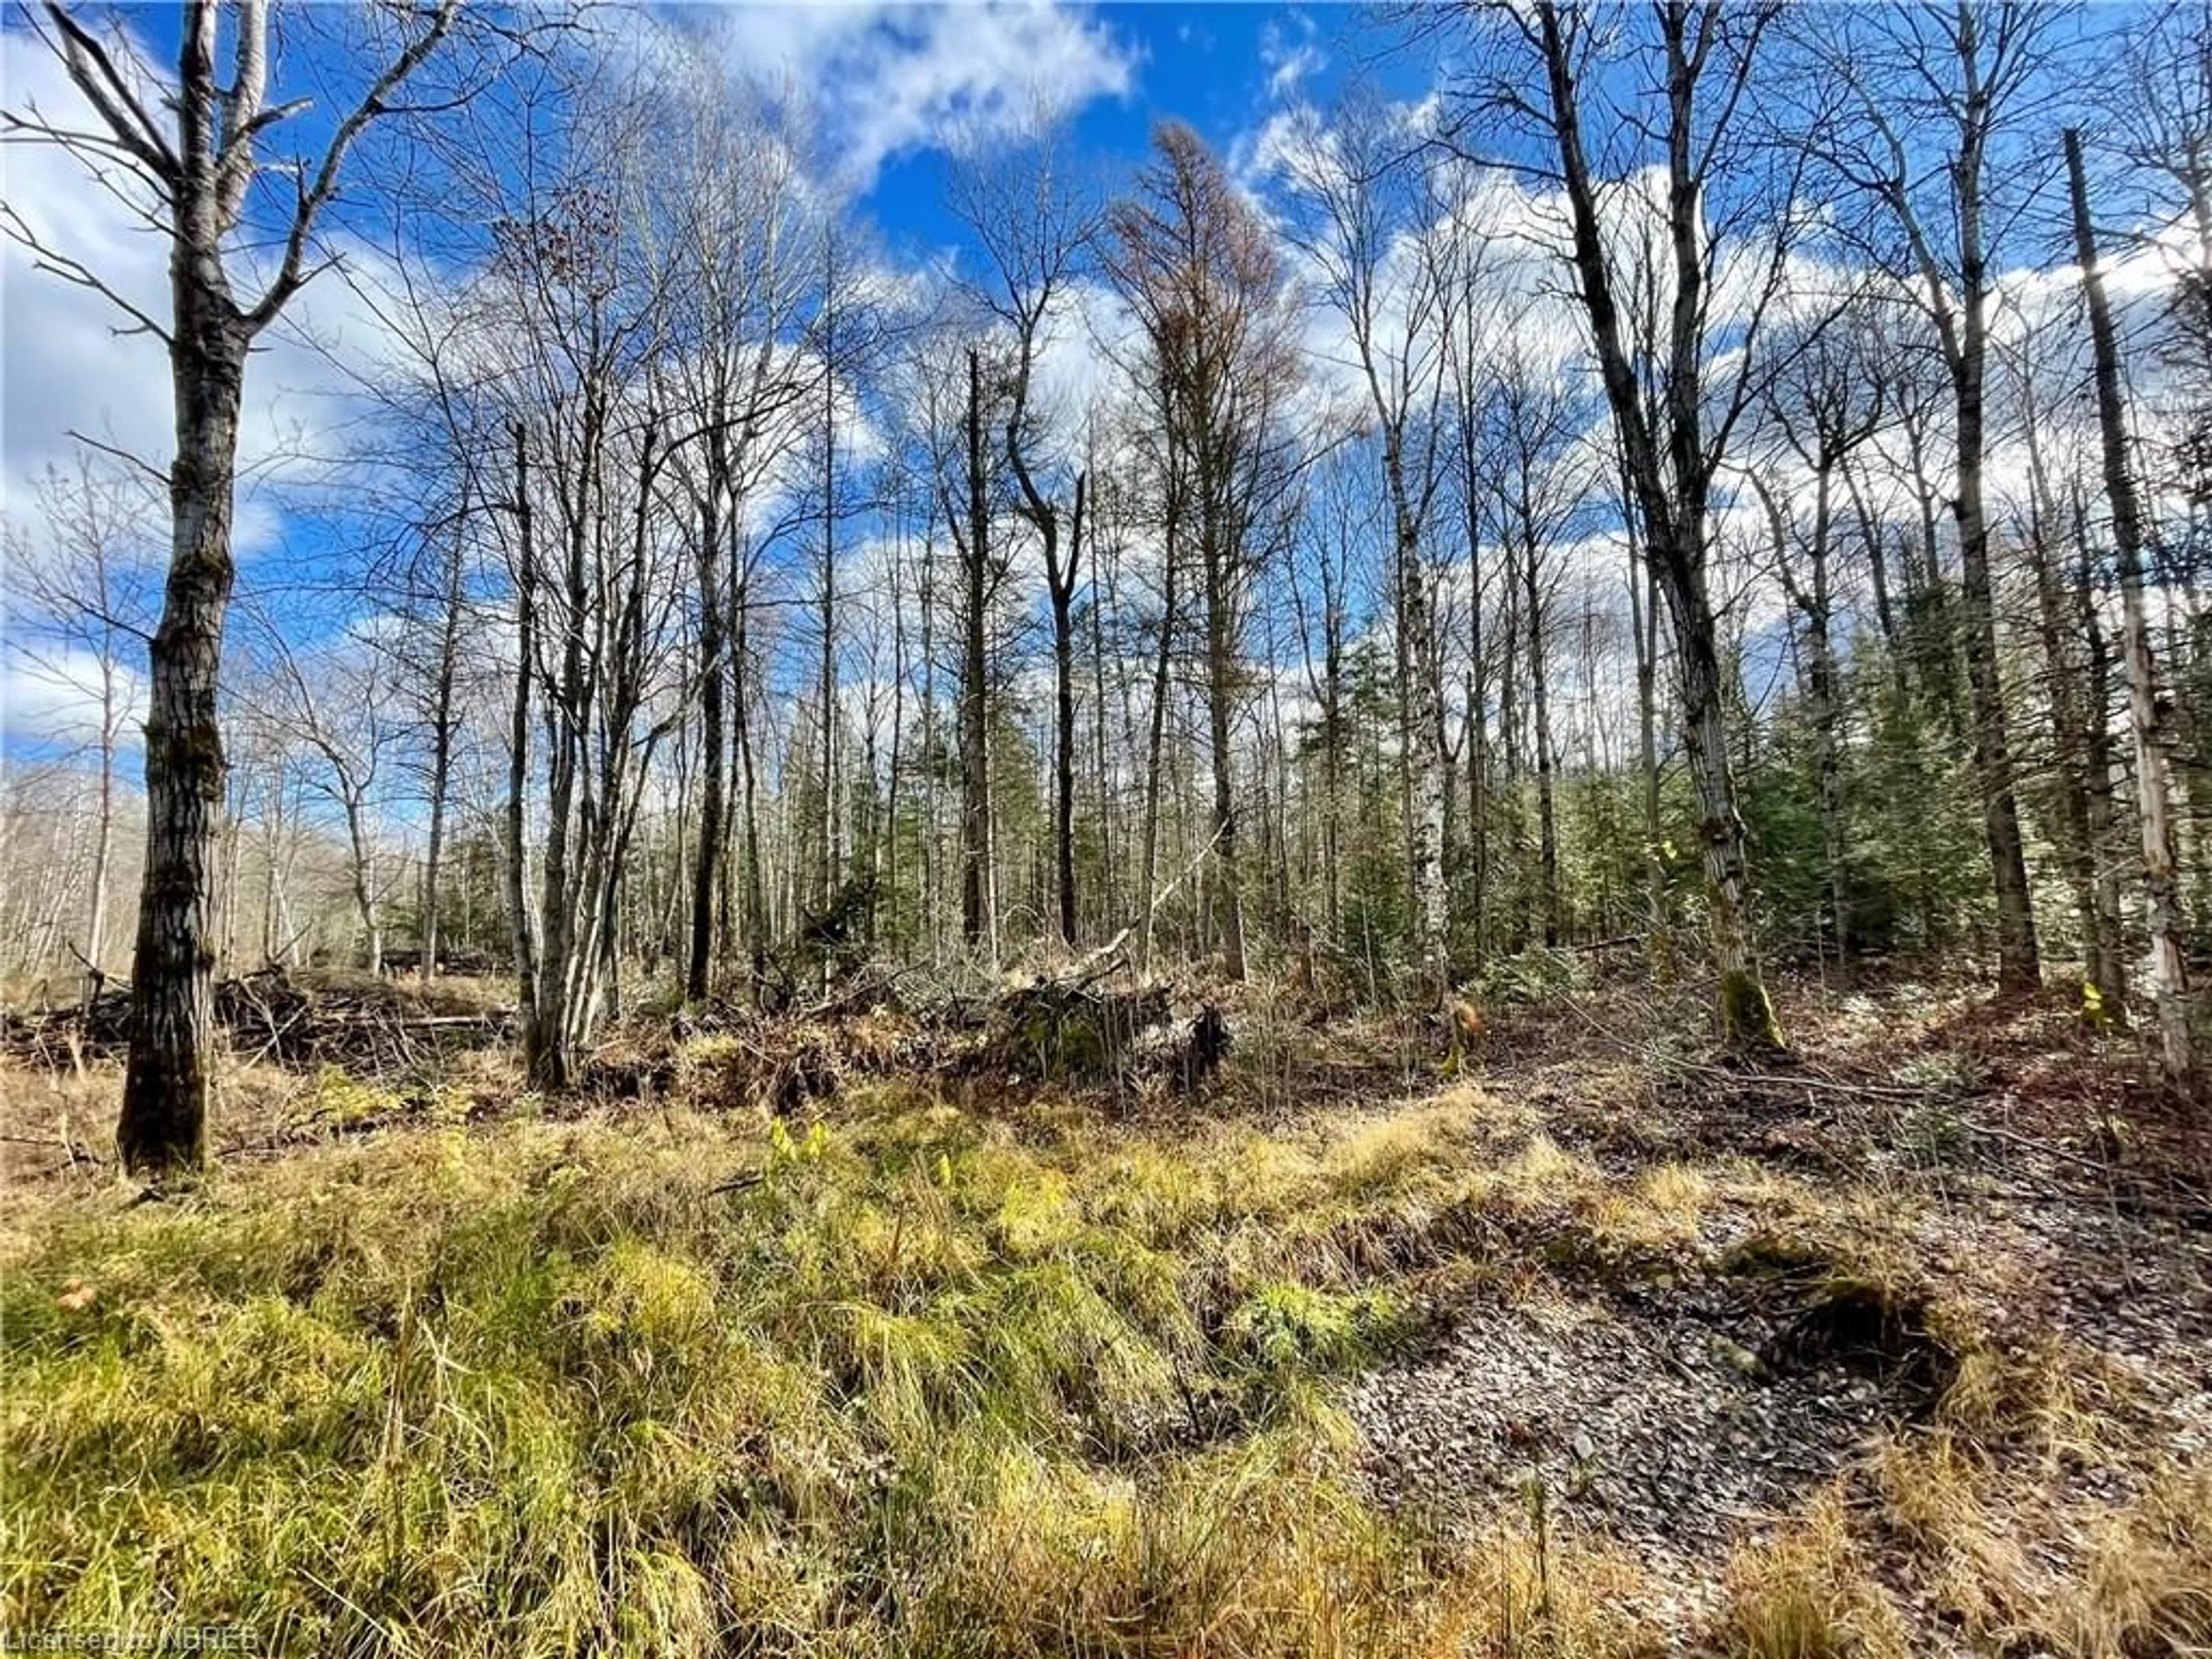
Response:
column 51, row 695
column 891, row 79
column 1290, row 56
column 70, row 369
column 1076, row 369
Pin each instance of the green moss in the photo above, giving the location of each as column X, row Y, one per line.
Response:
column 1747, row 1023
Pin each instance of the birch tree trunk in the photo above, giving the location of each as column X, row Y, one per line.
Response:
column 2146, row 722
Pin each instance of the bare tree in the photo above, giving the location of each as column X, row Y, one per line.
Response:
column 982, row 573
column 1034, row 228
column 1358, row 223
column 1825, row 404
column 1199, row 268
column 1677, row 396
column 2147, row 720
column 190, row 155
column 744, row 237
column 1539, row 485
column 90, row 633
column 336, row 704
column 1934, row 95
column 574, row 316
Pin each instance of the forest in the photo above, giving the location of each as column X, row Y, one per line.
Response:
column 1010, row 828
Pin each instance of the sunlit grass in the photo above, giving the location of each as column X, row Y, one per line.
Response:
column 912, row 1382
column 917, row 1381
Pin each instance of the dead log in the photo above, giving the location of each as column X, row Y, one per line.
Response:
column 268, row 1016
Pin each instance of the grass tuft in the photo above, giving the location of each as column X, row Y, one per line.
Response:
column 917, row 1384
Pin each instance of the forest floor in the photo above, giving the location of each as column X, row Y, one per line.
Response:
column 1592, row 1348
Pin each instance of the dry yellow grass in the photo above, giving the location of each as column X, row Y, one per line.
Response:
column 914, row 1381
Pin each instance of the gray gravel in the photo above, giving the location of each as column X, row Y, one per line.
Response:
column 1673, row 1435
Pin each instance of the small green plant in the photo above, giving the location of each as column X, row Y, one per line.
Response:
column 1285, row 1326
column 1951, row 1071
column 338, row 1101
column 1537, row 974
column 1933, row 1135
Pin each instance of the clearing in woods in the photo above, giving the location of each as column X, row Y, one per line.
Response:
column 1592, row 1349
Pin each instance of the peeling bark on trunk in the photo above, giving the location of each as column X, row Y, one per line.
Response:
column 2147, row 719
column 169, row 1086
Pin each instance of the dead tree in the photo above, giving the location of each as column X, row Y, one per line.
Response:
column 1034, row 230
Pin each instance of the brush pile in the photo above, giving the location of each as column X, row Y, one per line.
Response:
column 1091, row 1025
column 372, row 1029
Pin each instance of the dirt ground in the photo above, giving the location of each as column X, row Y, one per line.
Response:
column 2027, row 1269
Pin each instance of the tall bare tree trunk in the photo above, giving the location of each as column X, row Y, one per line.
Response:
column 1109, row 835
column 1548, row 821
column 975, row 918
column 713, row 712
column 170, row 1082
column 827, row 892
column 2147, row 721
column 442, row 722
column 196, row 148
column 2097, row 733
column 1162, row 660
column 1059, row 582
column 1221, row 692
column 1478, row 682
column 2019, row 965
column 519, row 931
column 756, row 881
column 1643, row 623
column 1670, row 468
column 2019, row 961
column 95, row 976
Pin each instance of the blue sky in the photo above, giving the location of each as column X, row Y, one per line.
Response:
column 888, row 79
column 1222, row 68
